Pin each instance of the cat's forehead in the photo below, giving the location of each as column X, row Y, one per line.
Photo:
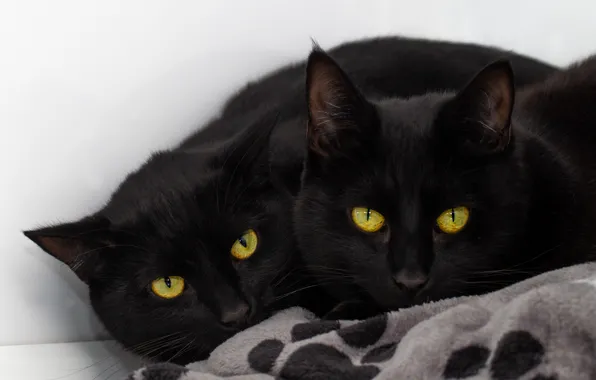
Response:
column 167, row 181
column 410, row 119
column 408, row 138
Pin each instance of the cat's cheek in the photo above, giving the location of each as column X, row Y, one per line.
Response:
column 384, row 235
column 444, row 244
column 438, row 238
column 377, row 241
column 254, row 282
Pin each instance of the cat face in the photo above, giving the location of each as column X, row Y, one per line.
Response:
column 190, row 249
column 409, row 200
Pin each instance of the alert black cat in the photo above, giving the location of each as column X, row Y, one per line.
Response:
column 197, row 244
column 408, row 200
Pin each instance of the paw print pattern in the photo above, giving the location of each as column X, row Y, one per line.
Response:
column 315, row 361
column 380, row 354
column 308, row 330
column 318, row 361
column 466, row 362
column 263, row 356
column 365, row 333
column 517, row 353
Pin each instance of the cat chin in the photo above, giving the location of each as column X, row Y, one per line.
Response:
column 393, row 298
column 197, row 346
column 402, row 300
column 192, row 355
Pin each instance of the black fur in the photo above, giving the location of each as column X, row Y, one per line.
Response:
column 526, row 175
column 180, row 213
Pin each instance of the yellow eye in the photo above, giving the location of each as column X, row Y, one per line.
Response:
column 245, row 245
column 453, row 220
column 367, row 219
column 168, row 287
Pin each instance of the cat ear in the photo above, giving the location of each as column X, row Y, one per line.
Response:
column 339, row 117
column 480, row 115
column 246, row 154
column 75, row 244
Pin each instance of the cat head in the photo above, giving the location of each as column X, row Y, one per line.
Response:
column 408, row 200
column 187, row 252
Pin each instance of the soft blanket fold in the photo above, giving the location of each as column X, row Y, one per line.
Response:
column 541, row 329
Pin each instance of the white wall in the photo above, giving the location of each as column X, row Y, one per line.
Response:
column 89, row 88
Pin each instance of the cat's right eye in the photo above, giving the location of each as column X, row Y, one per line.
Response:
column 245, row 245
column 453, row 220
column 367, row 219
column 168, row 287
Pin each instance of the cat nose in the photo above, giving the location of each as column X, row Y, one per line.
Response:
column 410, row 280
column 234, row 314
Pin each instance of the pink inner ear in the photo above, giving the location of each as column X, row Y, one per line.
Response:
column 323, row 88
column 65, row 250
column 499, row 95
column 317, row 105
column 321, row 92
column 503, row 100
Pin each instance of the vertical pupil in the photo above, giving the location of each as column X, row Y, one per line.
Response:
column 453, row 215
column 243, row 242
column 168, row 282
column 367, row 214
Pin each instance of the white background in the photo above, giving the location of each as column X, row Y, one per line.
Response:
column 89, row 88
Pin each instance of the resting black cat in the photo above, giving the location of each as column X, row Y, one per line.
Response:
column 197, row 244
column 407, row 200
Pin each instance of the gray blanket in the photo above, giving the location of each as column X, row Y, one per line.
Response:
column 540, row 329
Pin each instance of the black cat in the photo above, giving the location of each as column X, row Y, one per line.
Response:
column 197, row 244
column 408, row 200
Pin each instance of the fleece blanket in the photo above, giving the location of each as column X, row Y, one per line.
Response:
column 541, row 329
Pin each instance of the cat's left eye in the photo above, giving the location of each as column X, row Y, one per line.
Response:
column 367, row 219
column 245, row 246
column 453, row 220
column 168, row 287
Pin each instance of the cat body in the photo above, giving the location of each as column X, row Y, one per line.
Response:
column 409, row 200
column 197, row 244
